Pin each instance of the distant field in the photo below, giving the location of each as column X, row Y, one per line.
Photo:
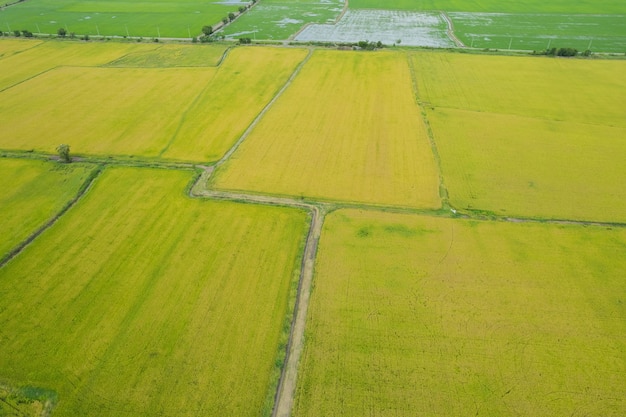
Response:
column 33, row 192
column 37, row 57
column 387, row 26
column 347, row 129
column 172, row 55
column 280, row 19
column 596, row 32
column 516, row 138
column 499, row 6
column 133, row 107
column 415, row 316
column 152, row 18
column 141, row 301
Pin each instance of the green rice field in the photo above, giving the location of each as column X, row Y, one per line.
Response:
column 152, row 19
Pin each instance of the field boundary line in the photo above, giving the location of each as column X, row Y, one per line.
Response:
column 95, row 173
column 285, row 391
column 31, row 77
column 265, row 109
column 443, row 190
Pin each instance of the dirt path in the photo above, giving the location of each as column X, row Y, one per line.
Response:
column 450, row 30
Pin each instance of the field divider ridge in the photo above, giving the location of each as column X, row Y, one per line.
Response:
column 265, row 109
column 95, row 173
column 443, row 191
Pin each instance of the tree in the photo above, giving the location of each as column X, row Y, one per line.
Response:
column 231, row 16
column 27, row 33
column 225, row 20
column 207, row 30
column 64, row 153
column 62, row 32
column 242, row 9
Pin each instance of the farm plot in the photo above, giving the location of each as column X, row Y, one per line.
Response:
column 42, row 57
column 245, row 82
column 497, row 6
column 173, row 55
column 126, row 111
column 386, row 26
column 10, row 47
column 414, row 316
column 601, row 33
column 521, row 166
column 34, row 192
column 141, row 301
column 281, row 19
column 177, row 113
column 516, row 138
column 347, row 129
column 152, row 18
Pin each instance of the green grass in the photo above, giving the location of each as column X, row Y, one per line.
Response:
column 418, row 316
column 33, row 193
column 276, row 19
column 153, row 18
column 141, row 301
column 499, row 6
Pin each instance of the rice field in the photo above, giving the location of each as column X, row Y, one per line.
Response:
column 412, row 315
column 99, row 110
column 118, row 309
column 515, row 138
column 497, row 6
column 33, row 193
column 152, row 19
column 244, row 84
column 538, row 32
column 282, row 19
column 132, row 107
column 36, row 57
column 347, row 129
column 389, row 27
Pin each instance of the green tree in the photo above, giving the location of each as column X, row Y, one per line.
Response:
column 207, row 30
column 231, row 16
column 225, row 20
column 62, row 32
column 64, row 153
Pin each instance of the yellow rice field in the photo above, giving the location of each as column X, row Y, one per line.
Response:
column 419, row 316
column 37, row 57
column 131, row 111
column 190, row 114
column 244, row 83
column 347, row 129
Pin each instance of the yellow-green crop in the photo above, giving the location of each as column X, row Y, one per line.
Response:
column 346, row 129
column 533, row 137
column 142, row 301
column 413, row 316
column 33, row 192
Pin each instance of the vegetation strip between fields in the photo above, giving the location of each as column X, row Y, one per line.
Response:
column 83, row 189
